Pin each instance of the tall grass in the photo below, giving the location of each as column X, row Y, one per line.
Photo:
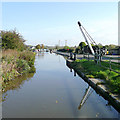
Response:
column 15, row 63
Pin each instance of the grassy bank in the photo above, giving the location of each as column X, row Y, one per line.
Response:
column 92, row 70
column 15, row 63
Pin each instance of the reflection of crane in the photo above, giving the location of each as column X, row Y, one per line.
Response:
column 85, row 97
column 87, row 37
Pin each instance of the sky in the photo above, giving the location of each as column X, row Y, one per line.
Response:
column 52, row 23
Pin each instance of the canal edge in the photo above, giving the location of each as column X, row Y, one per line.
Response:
column 99, row 90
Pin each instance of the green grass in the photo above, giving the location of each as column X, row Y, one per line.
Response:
column 114, row 66
column 92, row 70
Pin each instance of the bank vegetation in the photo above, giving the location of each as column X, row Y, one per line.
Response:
column 16, row 59
column 92, row 70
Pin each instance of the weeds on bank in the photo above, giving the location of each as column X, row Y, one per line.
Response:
column 15, row 63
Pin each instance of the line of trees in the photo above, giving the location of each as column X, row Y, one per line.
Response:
column 39, row 46
column 82, row 47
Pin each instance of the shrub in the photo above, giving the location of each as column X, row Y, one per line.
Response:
column 22, row 66
column 32, row 69
column 28, row 56
column 12, row 40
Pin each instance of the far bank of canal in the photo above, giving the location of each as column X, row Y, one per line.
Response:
column 54, row 92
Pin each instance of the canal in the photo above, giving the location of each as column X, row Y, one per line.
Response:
column 54, row 92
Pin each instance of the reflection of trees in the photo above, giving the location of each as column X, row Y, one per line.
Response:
column 4, row 97
column 40, row 54
column 85, row 97
column 15, row 84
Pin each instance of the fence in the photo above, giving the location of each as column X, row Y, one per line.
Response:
column 99, row 59
column 110, row 65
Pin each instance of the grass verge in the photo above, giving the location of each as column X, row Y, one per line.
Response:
column 92, row 70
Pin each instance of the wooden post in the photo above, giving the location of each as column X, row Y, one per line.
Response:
column 95, row 57
column 88, row 56
column 71, row 55
column 83, row 55
column 74, row 56
column 110, row 63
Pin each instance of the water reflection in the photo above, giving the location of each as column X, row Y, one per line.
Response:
column 73, row 70
column 85, row 97
column 15, row 84
column 74, row 73
column 59, row 59
column 40, row 55
column 109, row 106
column 54, row 92
column 4, row 97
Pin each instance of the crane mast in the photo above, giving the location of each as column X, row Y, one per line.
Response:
column 87, row 38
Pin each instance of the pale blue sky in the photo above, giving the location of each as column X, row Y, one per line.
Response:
column 48, row 22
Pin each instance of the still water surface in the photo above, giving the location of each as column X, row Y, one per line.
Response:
column 54, row 92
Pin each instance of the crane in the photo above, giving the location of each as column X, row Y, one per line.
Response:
column 88, row 39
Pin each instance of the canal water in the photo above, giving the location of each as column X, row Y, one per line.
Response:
column 54, row 92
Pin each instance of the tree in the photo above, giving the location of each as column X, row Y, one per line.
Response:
column 117, row 47
column 106, row 46
column 82, row 44
column 56, row 47
column 37, row 46
column 100, row 45
column 42, row 46
column 92, row 45
column 71, row 49
column 77, row 49
column 12, row 40
column 66, row 47
column 111, row 46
